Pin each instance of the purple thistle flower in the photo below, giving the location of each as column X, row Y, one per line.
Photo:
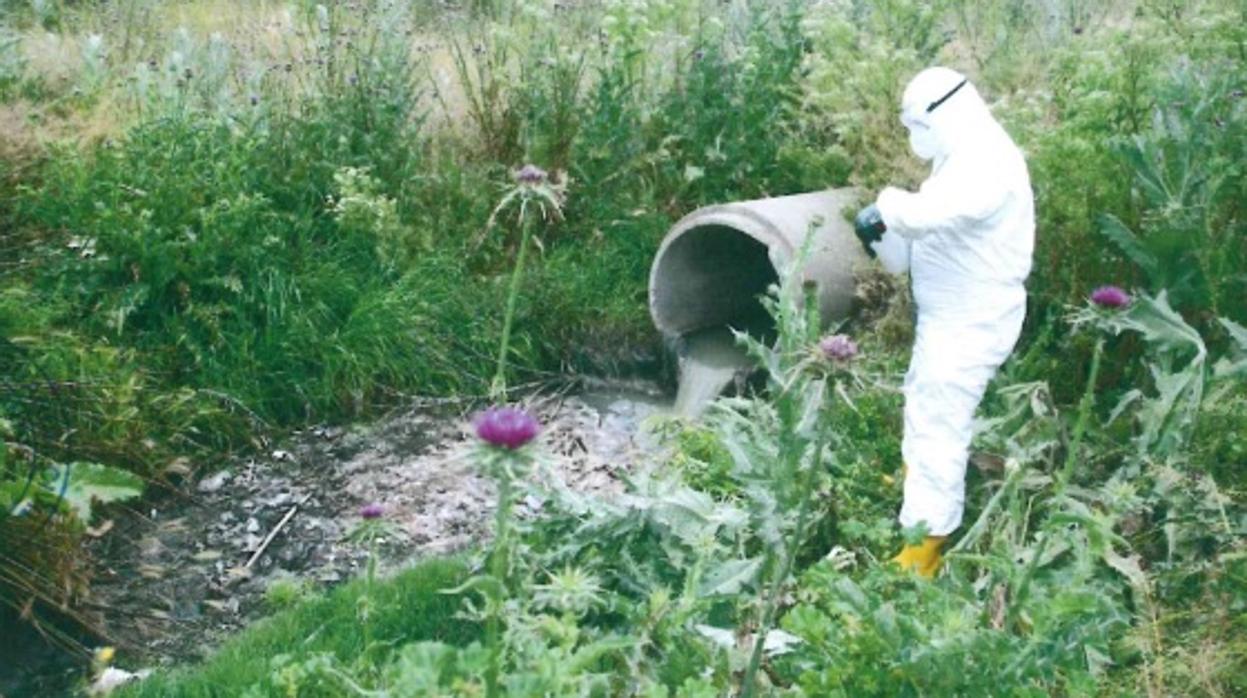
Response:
column 1110, row 297
column 371, row 511
column 531, row 175
column 255, row 99
column 506, row 427
column 838, row 347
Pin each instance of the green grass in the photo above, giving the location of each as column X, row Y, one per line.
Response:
column 409, row 608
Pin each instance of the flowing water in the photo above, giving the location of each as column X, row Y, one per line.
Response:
column 710, row 359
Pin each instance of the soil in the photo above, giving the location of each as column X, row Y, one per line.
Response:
column 173, row 580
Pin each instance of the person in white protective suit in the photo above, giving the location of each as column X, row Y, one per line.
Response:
column 966, row 238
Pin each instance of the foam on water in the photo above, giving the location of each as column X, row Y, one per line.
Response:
column 709, row 361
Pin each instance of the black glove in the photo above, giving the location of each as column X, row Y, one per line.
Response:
column 869, row 227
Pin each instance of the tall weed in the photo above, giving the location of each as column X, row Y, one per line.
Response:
column 1188, row 183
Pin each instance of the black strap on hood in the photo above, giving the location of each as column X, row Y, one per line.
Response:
column 931, row 107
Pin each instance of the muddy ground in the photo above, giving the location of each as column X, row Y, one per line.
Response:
column 179, row 576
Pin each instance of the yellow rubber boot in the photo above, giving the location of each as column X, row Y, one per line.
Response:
column 924, row 559
column 889, row 480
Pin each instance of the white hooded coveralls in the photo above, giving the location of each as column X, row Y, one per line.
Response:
column 970, row 232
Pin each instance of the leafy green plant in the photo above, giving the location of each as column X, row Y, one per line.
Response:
column 1020, row 581
column 779, row 455
column 1187, row 177
column 1177, row 515
column 77, row 486
column 360, row 209
column 734, row 87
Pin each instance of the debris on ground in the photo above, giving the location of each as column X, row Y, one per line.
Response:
column 179, row 576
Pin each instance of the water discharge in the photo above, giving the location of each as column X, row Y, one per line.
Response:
column 709, row 360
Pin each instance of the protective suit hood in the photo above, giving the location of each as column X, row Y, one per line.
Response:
column 943, row 112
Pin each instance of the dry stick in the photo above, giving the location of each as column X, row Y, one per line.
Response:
column 271, row 535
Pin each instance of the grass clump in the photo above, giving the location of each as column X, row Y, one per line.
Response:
column 408, row 607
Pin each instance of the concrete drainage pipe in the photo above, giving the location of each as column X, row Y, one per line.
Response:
column 716, row 261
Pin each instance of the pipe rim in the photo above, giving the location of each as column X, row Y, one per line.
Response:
column 733, row 216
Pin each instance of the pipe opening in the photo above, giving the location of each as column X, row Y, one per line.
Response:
column 712, row 276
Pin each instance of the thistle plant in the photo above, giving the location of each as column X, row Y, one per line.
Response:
column 1104, row 307
column 535, row 193
column 1110, row 297
column 505, row 433
column 1179, row 364
column 372, row 528
column 838, row 347
column 780, row 455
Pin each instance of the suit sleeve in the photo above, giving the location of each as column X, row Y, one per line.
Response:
column 950, row 202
